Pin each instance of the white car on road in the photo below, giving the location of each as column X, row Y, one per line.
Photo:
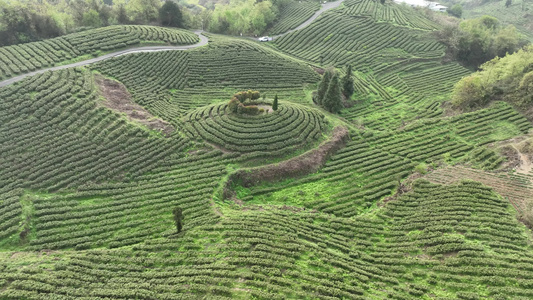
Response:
column 265, row 39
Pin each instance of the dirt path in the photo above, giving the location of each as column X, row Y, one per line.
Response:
column 525, row 166
column 203, row 42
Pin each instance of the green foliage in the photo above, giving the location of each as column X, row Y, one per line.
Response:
column 177, row 214
column 323, row 86
column 347, row 83
column 456, row 10
column 143, row 11
column 111, row 183
column 247, row 95
column 421, row 168
column 32, row 20
column 509, row 78
column 275, row 103
column 469, row 93
column 476, row 41
column 233, row 105
column 91, row 18
column 242, row 16
column 333, row 99
column 170, row 14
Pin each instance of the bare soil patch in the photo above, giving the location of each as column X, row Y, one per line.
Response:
column 267, row 108
column 304, row 164
column 119, row 99
column 519, row 153
column 319, row 70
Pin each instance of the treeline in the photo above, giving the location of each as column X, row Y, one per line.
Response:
column 475, row 41
column 31, row 20
column 509, row 78
column 244, row 16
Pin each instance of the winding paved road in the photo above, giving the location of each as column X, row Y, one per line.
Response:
column 203, row 42
column 325, row 6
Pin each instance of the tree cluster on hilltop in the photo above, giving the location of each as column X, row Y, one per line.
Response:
column 241, row 103
column 475, row 41
column 509, row 78
column 31, row 20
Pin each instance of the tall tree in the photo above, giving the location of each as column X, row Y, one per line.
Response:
column 347, row 83
column 456, row 10
column 170, row 14
column 323, row 86
column 177, row 212
column 275, row 103
column 91, row 18
column 143, row 11
column 332, row 100
column 122, row 15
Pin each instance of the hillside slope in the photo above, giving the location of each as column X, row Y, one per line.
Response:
column 23, row 58
column 95, row 160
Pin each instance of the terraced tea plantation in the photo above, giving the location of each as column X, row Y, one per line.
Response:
column 292, row 127
column 294, row 14
column 133, row 177
column 24, row 58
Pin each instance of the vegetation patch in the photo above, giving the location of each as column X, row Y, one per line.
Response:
column 276, row 133
column 304, row 164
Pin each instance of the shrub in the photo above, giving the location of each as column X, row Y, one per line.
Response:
column 456, row 10
column 233, row 104
column 252, row 95
column 250, row 110
column 421, row 168
column 469, row 93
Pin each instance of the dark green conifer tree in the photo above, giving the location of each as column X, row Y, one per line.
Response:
column 177, row 212
column 275, row 104
column 347, row 83
column 323, row 87
column 332, row 100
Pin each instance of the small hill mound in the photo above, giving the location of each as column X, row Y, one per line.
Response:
column 291, row 127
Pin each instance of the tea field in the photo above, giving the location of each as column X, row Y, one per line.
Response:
column 415, row 201
column 19, row 59
column 292, row 15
